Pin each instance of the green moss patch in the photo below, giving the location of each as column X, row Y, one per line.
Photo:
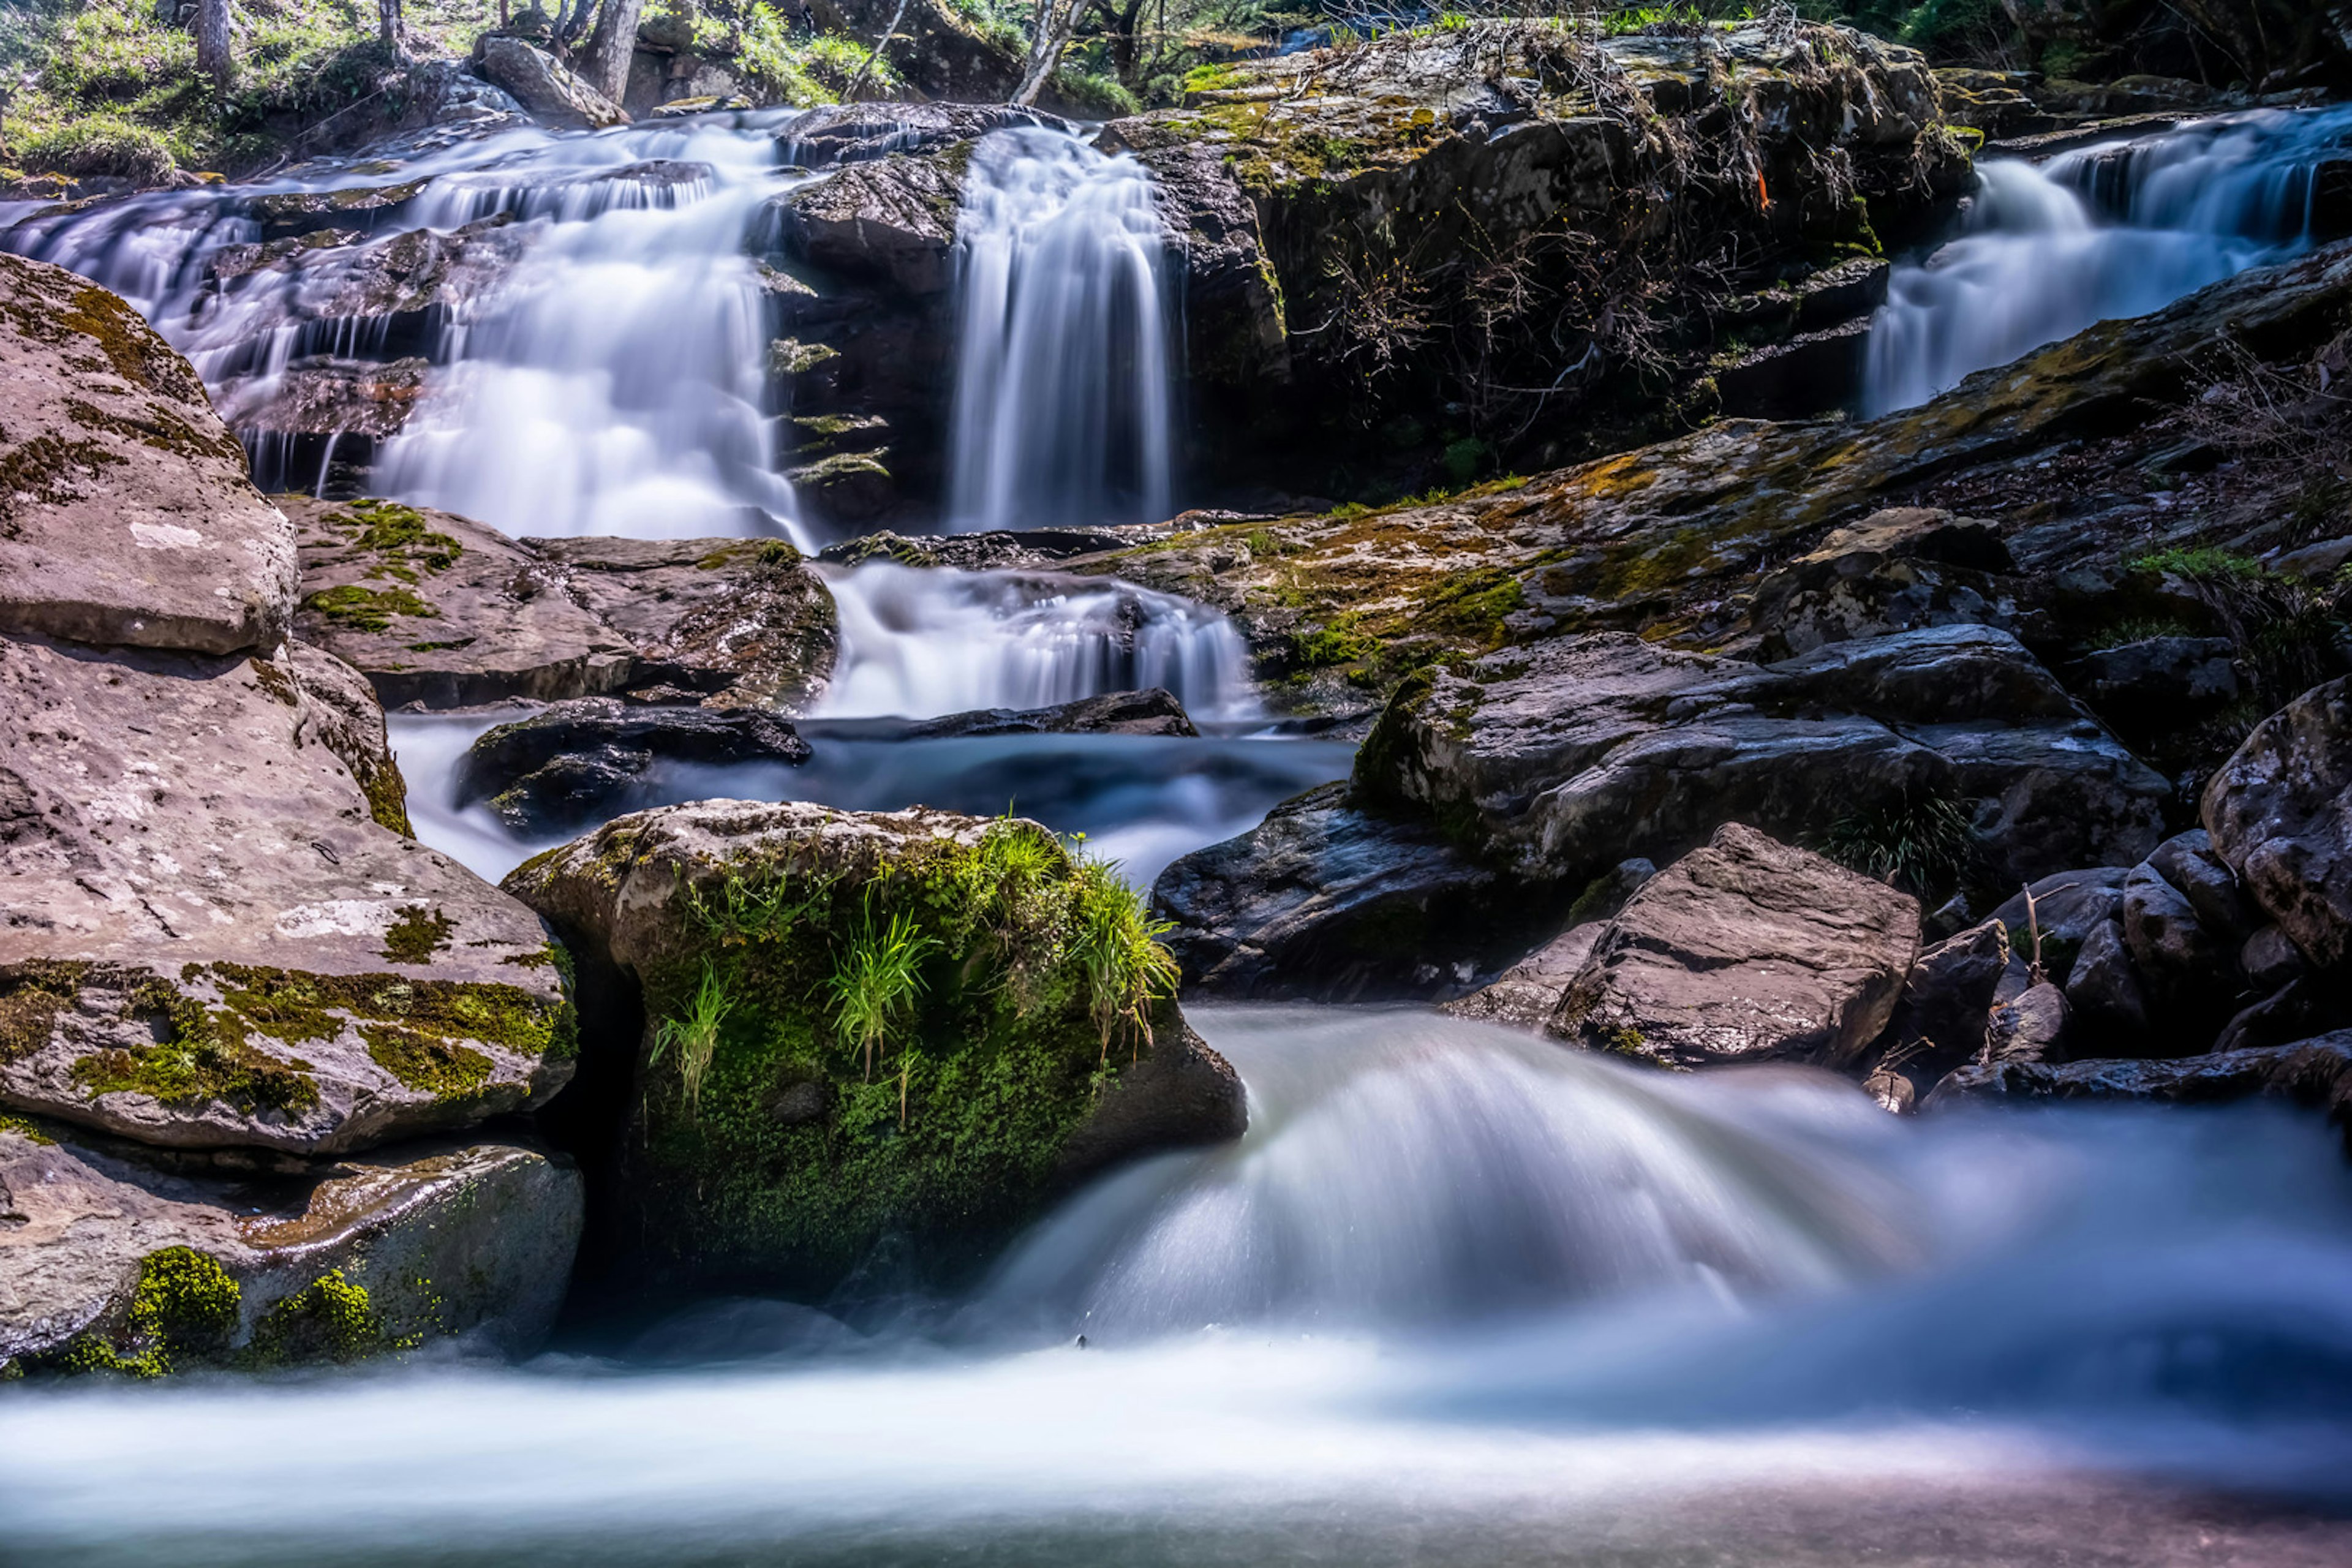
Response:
column 31, row 997
column 295, row 1005
column 367, row 609
column 417, row 934
column 184, row 1307
column 201, row 1054
column 443, row 1068
column 895, row 1048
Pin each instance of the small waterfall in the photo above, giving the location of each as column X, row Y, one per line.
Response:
column 602, row 369
column 916, row 643
column 1063, row 395
column 2118, row 229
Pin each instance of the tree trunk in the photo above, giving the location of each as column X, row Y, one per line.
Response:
column 610, row 47
column 212, row 40
column 849, row 94
column 1055, row 21
column 393, row 31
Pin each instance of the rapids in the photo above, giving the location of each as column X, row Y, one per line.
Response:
column 2117, row 229
column 1457, row 1296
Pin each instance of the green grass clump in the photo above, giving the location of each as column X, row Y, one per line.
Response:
column 103, row 144
column 1918, row 844
column 996, row 978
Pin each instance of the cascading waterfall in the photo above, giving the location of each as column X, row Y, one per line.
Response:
column 607, row 375
column 2117, row 229
column 916, row 643
column 1063, row 373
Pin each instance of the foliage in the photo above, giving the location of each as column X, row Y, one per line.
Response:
column 874, row 985
column 693, row 1035
column 804, row 73
column 1919, row 844
column 2287, row 633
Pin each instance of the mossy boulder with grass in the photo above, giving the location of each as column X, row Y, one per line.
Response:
column 863, row 1036
column 120, row 1260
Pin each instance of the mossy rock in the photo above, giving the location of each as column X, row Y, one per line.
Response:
column 909, row 1027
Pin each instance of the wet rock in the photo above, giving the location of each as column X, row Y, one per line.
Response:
column 2280, row 813
column 2187, row 861
column 587, row 759
column 979, row 1097
column 207, row 938
column 1814, row 372
column 1748, row 950
column 2186, row 970
column 2104, row 990
column 1150, row 712
column 1943, row 1017
column 350, row 211
column 2158, row 682
column 2315, row 1072
column 125, row 515
column 856, row 132
column 1526, row 995
column 2270, row 959
column 1324, row 899
column 402, row 284
column 2067, row 906
column 471, row 1240
column 892, row 220
column 2029, row 1028
column 550, row 92
column 442, row 612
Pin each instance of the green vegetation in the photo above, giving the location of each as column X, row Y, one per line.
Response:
column 996, row 976
column 329, row 1320
column 200, row 1053
column 1920, row 843
column 803, row 72
column 184, row 1306
column 416, row 934
column 2289, row 635
column 367, row 609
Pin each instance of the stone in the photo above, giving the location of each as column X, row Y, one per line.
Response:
column 2157, row 682
column 126, row 516
column 2104, row 990
column 1748, row 950
column 546, row 88
column 2066, row 907
column 2187, row 861
column 855, row 132
column 467, row 1240
column 1001, row 1071
column 207, row 939
column 892, row 220
column 443, row 611
column 344, row 716
column 1895, row 570
column 1152, row 711
column 2186, row 970
column 1324, row 899
column 2315, row 1072
column 2270, row 960
column 2029, row 1028
column 577, row 762
column 2280, row 813
column 1528, row 994
column 1943, row 1017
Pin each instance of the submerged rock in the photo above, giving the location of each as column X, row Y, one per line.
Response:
column 113, row 1258
column 854, row 1026
column 583, row 760
column 125, row 515
column 1747, row 950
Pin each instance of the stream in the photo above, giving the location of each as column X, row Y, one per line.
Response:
column 1459, row 1295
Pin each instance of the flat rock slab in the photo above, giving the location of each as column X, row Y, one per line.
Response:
column 443, row 612
column 1526, row 995
column 125, row 513
column 451, row 1239
column 1746, row 951
column 2313, row 1072
column 206, row 938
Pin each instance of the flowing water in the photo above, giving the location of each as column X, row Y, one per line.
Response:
column 1458, row 1296
column 1063, row 377
column 2117, row 229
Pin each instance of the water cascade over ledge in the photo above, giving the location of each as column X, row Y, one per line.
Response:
column 1063, row 382
column 2117, row 229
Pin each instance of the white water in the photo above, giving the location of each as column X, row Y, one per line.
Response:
column 918, row 643
column 1063, row 375
column 1459, row 1296
column 2118, row 229
column 612, row 382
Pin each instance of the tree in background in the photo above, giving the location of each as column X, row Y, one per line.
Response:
column 1049, row 35
column 212, row 40
column 606, row 65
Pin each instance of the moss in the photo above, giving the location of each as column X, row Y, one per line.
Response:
column 184, row 1307
column 789, row 356
column 157, row 428
column 294, row 1004
column 443, row 1068
column 417, row 934
column 329, row 1320
column 24, row 1128
column 367, row 609
column 31, row 996
column 1016, row 1014
column 201, row 1054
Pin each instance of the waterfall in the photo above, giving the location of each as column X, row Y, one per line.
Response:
column 594, row 361
column 1062, row 400
column 2117, row 229
column 921, row 642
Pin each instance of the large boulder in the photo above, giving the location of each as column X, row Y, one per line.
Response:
column 1944, row 1016
column 545, row 87
column 892, row 220
column 209, row 939
column 2280, row 813
column 441, row 612
column 113, row 1258
column 580, row 761
column 1745, row 951
column 854, row 1026
column 125, row 513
